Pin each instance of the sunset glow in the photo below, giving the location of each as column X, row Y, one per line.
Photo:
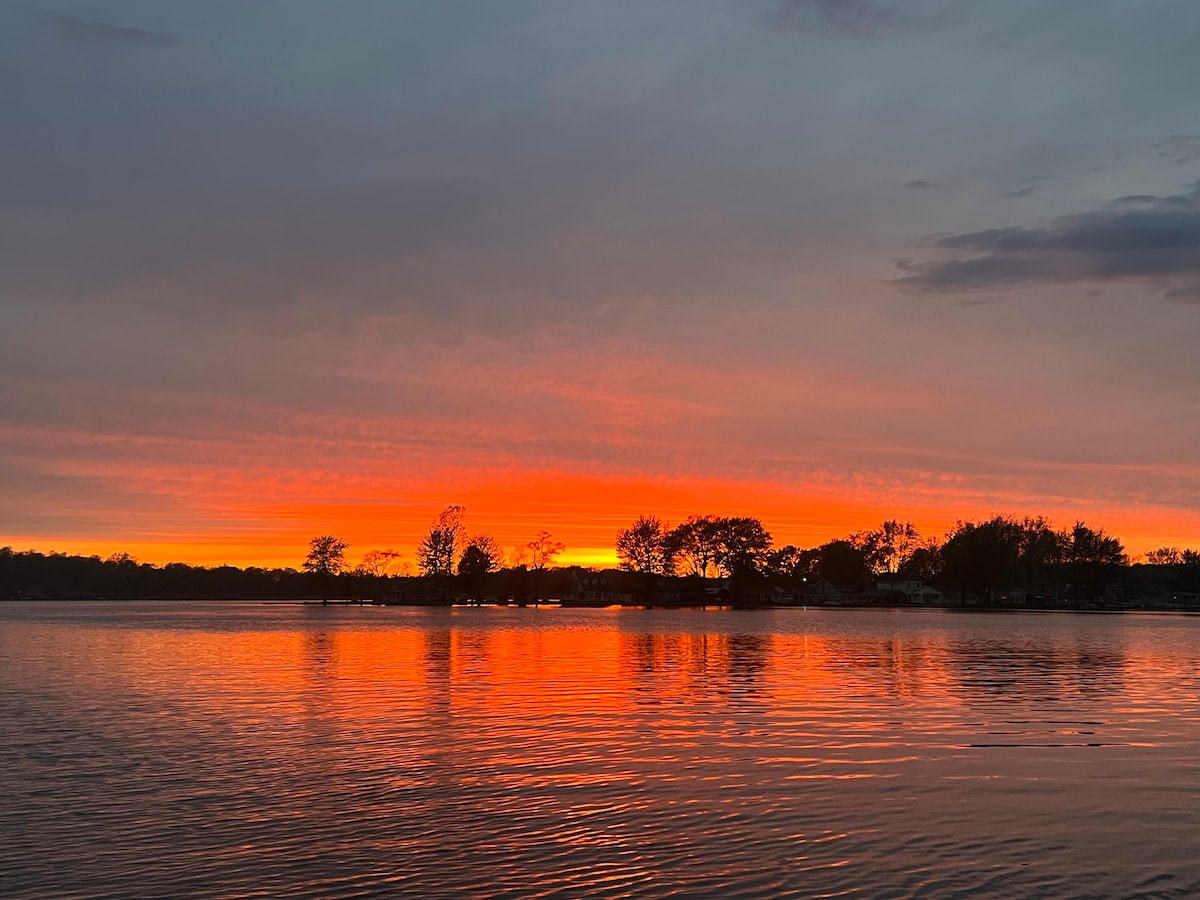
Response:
column 274, row 271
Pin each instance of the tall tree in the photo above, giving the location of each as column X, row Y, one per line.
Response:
column 326, row 555
column 983, row 556
column 474, row 563
column 377, row 562
column 483, row 554
column 742, row 545
column 1041, row 550
column 1092, row 558
column 1164, row 556
column 925, row 562
column 692, row 545
column 643, row 547
column 843, row 562
column 888, row 547
column 542, row 550
column 435, row 553
column 442, row 545
column 788, row 562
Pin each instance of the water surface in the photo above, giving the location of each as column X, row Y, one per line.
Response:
column 238, row 750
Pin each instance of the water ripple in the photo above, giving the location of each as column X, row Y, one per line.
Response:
column 251, row 751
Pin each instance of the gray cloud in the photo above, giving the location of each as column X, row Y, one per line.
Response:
column 1180, row 148
column 94, row 31
column 1022, row 192
column 852, row 17
column 1138, row 237
column 1189, row 294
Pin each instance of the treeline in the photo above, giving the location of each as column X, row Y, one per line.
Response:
column 984, row 560
column 33, row 575
column 987, row 561
column 447, row 549
column 451, row 563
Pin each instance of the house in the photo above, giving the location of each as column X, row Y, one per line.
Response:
column 925, row 596
column 815, row 591
column 673, row 591
column 1184, row 600
column 774, row 596
column 913, row 592
column 1018, row 596
column 419, row 592
column 1038, row 594
column 823, row 592
column 607, row 588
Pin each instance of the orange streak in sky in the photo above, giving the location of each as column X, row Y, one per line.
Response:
column 583, row 511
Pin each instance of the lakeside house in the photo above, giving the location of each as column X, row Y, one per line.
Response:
column 419, row 592
column 912, row 591
column 604, row 588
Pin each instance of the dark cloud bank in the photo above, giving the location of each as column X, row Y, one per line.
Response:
column 1141, row 237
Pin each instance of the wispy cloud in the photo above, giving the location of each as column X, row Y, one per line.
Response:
column 1180, row 148
column 853, row 17
column 1140, row 237
column 1022, row 192
column 95, row 31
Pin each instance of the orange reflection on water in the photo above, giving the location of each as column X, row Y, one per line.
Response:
column 556, row 738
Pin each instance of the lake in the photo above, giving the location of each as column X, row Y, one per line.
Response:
column 271, row 750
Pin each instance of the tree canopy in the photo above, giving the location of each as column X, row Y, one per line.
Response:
column 542, row 550
column 643, row 547
column 439, row 551
column 326, row 555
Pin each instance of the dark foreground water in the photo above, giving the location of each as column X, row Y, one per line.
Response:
column 217, row 750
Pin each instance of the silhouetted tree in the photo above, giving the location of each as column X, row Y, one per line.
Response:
column 482, row 556
column 924, row 563
column 474, row 562
column 486, row 554
column 692, row 546
column 1173, row 556
column 983, row 557
column 440, row 548
column 888, row 547
column 742, row 545
column 788, row 563
column 643, row 547
column 1040, row 552
column 538, row 554
column 1092, row 559
column 1163, row 556
column 542, row 550
column 326, row 555
column 843, row 563
column 377, row 562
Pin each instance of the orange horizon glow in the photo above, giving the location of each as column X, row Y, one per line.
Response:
column 585, row 513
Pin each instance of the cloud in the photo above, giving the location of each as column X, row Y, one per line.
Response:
column 94, row 31
column 1190, row 294
column 920, row 184
column 851, row 17
column 1023, row 192
column 1180, row 148
column 1138, row 237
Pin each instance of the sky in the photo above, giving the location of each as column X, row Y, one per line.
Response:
column 278, row 268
